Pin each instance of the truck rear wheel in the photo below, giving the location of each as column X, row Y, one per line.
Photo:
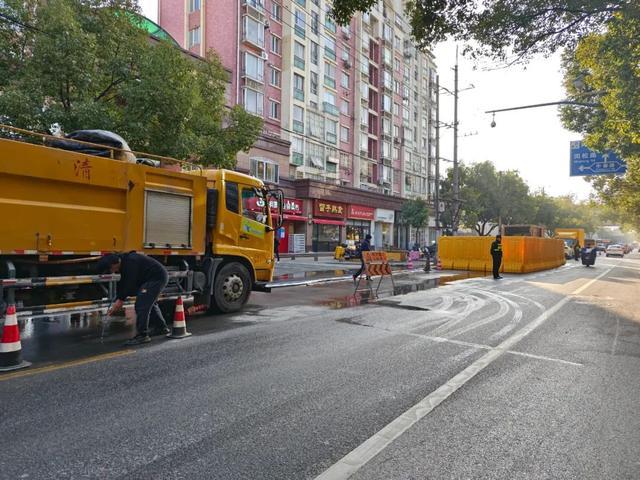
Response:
column 232, row 287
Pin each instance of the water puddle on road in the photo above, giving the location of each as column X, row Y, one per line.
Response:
column 313, row 275
column 364, row 295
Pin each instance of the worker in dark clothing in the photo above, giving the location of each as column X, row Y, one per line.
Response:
column 576, row 251
column 496, row 255
column 276, row 246
column 144, row 278
column 365, row 246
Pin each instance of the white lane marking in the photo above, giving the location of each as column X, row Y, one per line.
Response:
column 366, row 451
column 615, row 338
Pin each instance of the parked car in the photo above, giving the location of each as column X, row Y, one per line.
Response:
column 615, row 250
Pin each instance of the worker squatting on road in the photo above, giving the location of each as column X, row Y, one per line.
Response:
column 496, row 255
column 144, row 278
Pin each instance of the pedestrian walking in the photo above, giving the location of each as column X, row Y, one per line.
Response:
column 496, row 255
column 576, row 251
column 276, row 246
column 365, row 246
column 144, row 278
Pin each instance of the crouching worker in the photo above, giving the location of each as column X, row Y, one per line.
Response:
column 144, row 278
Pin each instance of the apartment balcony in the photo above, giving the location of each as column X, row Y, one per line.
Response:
column 331, row 109
column 298, row 126
column 298, row 62
column 297, row 159
column 255, row 8
column 298, row 94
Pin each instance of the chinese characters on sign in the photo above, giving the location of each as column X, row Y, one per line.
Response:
column 324, row 208
column 82, row 169
column 361, row 212
column 587, row 162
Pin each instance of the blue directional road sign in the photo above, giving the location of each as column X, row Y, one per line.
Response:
column 587, row 162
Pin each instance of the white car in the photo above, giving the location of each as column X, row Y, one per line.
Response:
column 615, row 250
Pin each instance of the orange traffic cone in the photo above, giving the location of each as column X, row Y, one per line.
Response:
column 10, row 346
column 179, row 327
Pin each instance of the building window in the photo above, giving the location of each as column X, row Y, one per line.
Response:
column 274, row 109
column 344, row 107
column 330, row 48
column 315, row 125
column 314, row 83
column 344, row 134
column 194, row 5
column 298, row 119
column 344, row 80
column 300, row 22
column 253, row 101
column 253, row 67
column 329, row 24
column 276, row 44
column 315, row 21
column 253, row 31
column 298, row 87
column 330, row 75
column 275, row 77
column 298, row 55
column 332, row 131
column 396, row 109
column 314, row 53
column 396, row 64
column 276, row 11
column 265, row 170
column 386, row 103
column 194, row 37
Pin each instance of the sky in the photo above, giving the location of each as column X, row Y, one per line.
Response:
column 531, row 141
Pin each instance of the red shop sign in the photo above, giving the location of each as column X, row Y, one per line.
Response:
column 361, row 212
column 292, row 206
column 325, row 208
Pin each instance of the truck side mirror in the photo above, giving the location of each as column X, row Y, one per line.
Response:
column 212, row 207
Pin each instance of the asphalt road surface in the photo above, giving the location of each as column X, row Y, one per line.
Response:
column 531, row 377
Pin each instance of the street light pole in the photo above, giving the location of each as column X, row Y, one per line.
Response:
column 437, row 185
column 456, row 173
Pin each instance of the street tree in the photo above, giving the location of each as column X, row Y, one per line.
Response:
column 603, row 69
column 415, row 212
column 501, row 28
column 86, row 64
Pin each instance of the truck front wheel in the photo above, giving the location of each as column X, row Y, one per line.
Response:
column 231, row 288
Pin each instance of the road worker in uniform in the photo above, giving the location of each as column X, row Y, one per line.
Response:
column 144, row 278
column 496, row 255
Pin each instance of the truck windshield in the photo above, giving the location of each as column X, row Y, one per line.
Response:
column 254, row 205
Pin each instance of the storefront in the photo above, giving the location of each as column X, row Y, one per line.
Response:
column 328, row 225
column 293, row 226
column 359, row 218
column 383, row 230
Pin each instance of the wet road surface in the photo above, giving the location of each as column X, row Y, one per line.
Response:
column 534, row 376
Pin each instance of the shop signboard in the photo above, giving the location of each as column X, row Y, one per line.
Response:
column 290, row 206
column 385, row 216
column 326, row 208
column 360, row 212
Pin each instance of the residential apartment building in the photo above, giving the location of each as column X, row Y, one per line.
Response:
column 349, row 111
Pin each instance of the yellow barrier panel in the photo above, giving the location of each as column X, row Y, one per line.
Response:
column 520, row 254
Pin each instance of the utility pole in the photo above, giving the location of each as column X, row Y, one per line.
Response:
column 456, row 173
column 437, row 185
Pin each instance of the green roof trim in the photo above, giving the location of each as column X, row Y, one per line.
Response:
column 152, row 28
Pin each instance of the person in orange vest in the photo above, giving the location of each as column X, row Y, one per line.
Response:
column 496, row 255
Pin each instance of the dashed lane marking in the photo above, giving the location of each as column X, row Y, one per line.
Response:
column 366, row 451
column 60, row 366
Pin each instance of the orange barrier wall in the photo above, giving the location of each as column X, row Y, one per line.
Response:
column 520, row 254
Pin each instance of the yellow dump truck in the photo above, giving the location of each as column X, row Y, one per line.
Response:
column 61, row 210
column 570, row 236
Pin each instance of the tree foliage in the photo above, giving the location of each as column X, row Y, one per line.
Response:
column 415, row 212
column 490, row 198
column 500, row 28
column 85, row 64
column 604, row 68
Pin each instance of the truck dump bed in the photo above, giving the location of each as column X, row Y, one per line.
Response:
column 60, row 202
